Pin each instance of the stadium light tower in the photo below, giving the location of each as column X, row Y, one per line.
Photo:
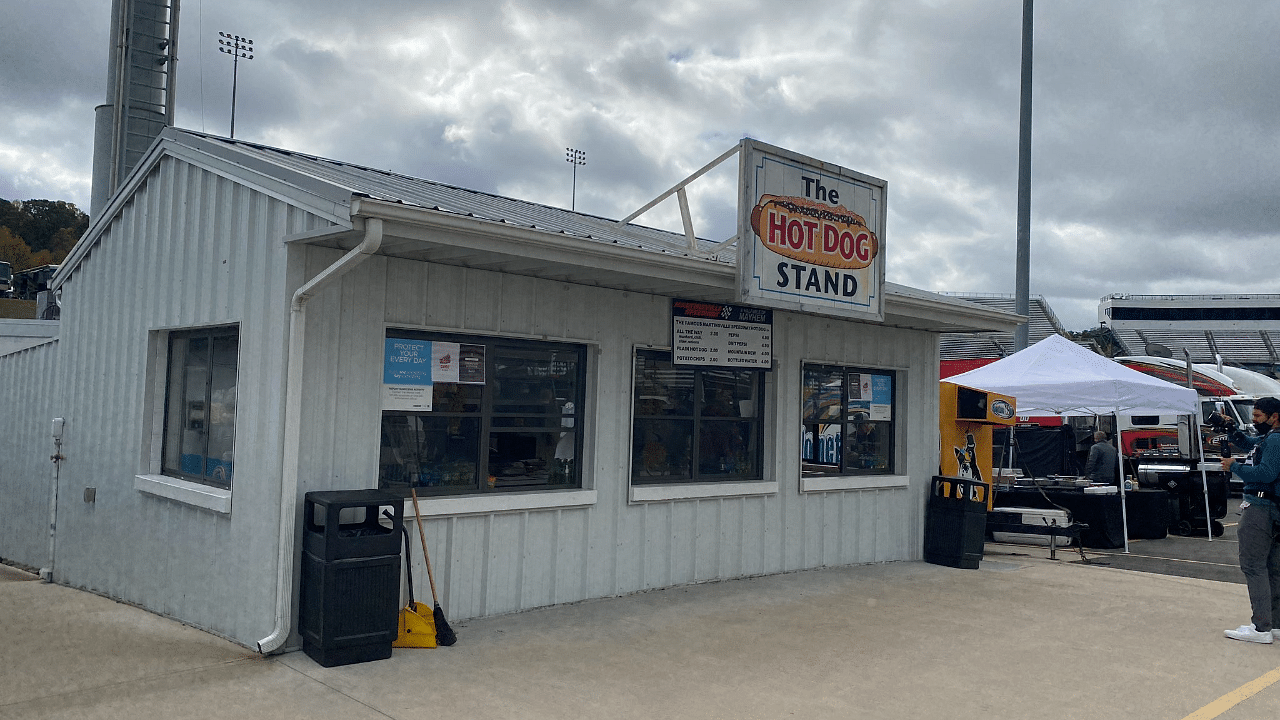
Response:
column 575, row 158
column 237, row 47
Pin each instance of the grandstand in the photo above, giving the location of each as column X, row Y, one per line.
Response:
column 972, row 346
column 1241, row 330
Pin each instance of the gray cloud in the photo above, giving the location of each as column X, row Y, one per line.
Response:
column 1155, row 122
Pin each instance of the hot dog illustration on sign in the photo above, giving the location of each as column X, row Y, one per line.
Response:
column 814, row 232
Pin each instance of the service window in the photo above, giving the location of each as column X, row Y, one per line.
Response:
column 695, row 424
column 849, row 420
column 505, row 418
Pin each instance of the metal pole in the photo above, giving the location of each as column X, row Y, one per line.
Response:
column 1204, row 479
column 575, row 158
column 235, row 79
column 237, row 47
column 1124, row 512
column 1193, row 435
column 1023, row 268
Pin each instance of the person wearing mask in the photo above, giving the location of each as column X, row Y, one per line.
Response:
column 1101, row 465
column 1259, row 521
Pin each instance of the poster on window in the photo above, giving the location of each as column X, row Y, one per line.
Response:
column 457, row 363
column 873, row 394
column 407, row 369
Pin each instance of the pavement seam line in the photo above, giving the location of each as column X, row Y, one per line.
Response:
column 348, row 696
column 1235, row 697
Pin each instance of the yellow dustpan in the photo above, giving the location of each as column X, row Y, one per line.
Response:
column 416, row 627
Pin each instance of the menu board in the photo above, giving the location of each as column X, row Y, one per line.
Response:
column 721, row 335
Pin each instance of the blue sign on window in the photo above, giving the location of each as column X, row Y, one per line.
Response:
column 406, row 362
column 881, row 389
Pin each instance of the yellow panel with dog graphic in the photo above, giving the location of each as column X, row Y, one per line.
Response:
column 965, row 418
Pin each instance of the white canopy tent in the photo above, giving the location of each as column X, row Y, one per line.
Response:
column 1057, row 377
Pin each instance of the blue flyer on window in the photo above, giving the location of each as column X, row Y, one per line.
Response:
column 881, row 397
column 871, row 394
column 407, row 375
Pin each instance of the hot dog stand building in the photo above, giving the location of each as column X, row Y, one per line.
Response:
column 586, row 407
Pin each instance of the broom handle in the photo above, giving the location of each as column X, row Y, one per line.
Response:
column 422, row 536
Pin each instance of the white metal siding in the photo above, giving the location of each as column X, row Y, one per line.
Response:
column 189, row 249
column 27, row 396
column 192, row 248
column 502, row 562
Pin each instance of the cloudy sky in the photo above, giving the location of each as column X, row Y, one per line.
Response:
column 1155, row 150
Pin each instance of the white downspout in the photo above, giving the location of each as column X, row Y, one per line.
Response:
column 293, row 428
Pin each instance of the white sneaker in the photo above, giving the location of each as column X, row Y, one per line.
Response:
column 1249, row 634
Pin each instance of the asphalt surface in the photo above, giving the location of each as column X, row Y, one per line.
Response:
column 1021, row 637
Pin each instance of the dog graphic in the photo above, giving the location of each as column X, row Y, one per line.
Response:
column 967, row 459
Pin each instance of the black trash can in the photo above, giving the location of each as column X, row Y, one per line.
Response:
column 955, row 522
column 350, row 589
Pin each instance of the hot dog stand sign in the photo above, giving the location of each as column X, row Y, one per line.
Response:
column 811, row 234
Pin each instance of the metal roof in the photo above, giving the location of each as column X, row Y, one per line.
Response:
column 435, row 222
column 402, row 189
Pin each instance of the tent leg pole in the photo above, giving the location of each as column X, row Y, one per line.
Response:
column 1204, row 479
column 1124, row 512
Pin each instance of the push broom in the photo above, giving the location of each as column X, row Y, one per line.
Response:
column 444, row 634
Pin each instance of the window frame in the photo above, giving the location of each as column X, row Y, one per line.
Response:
column 485, row 414
column 696, row 418
column 810, row 470
column 204, row 478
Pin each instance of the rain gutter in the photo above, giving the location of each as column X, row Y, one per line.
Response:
column 293, row 425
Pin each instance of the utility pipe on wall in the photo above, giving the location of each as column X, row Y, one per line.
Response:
column 46, row 573
column 293, row 425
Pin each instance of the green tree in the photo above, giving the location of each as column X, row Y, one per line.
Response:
column 10, row 215
column 42, row 219
column 63, row 241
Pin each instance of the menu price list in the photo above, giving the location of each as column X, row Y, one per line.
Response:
column 699, row 341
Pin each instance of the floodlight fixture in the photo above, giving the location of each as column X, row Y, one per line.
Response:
column 575, row 158
column 237, row 47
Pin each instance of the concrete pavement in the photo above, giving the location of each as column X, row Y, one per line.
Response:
column 1022, row 637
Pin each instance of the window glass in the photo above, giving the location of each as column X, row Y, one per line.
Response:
column 847, row 417
column 507, row 420
column 425, row 451
column 694, row 424
column 200, row 408
column 821, row 393
column 661, row 450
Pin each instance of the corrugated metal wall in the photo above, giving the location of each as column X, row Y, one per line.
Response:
column 27, row 395
column 189, row 249
column 495, row 563
column 195, row 249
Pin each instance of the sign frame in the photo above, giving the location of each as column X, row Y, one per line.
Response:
column 811, row 265
column 708, row 334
